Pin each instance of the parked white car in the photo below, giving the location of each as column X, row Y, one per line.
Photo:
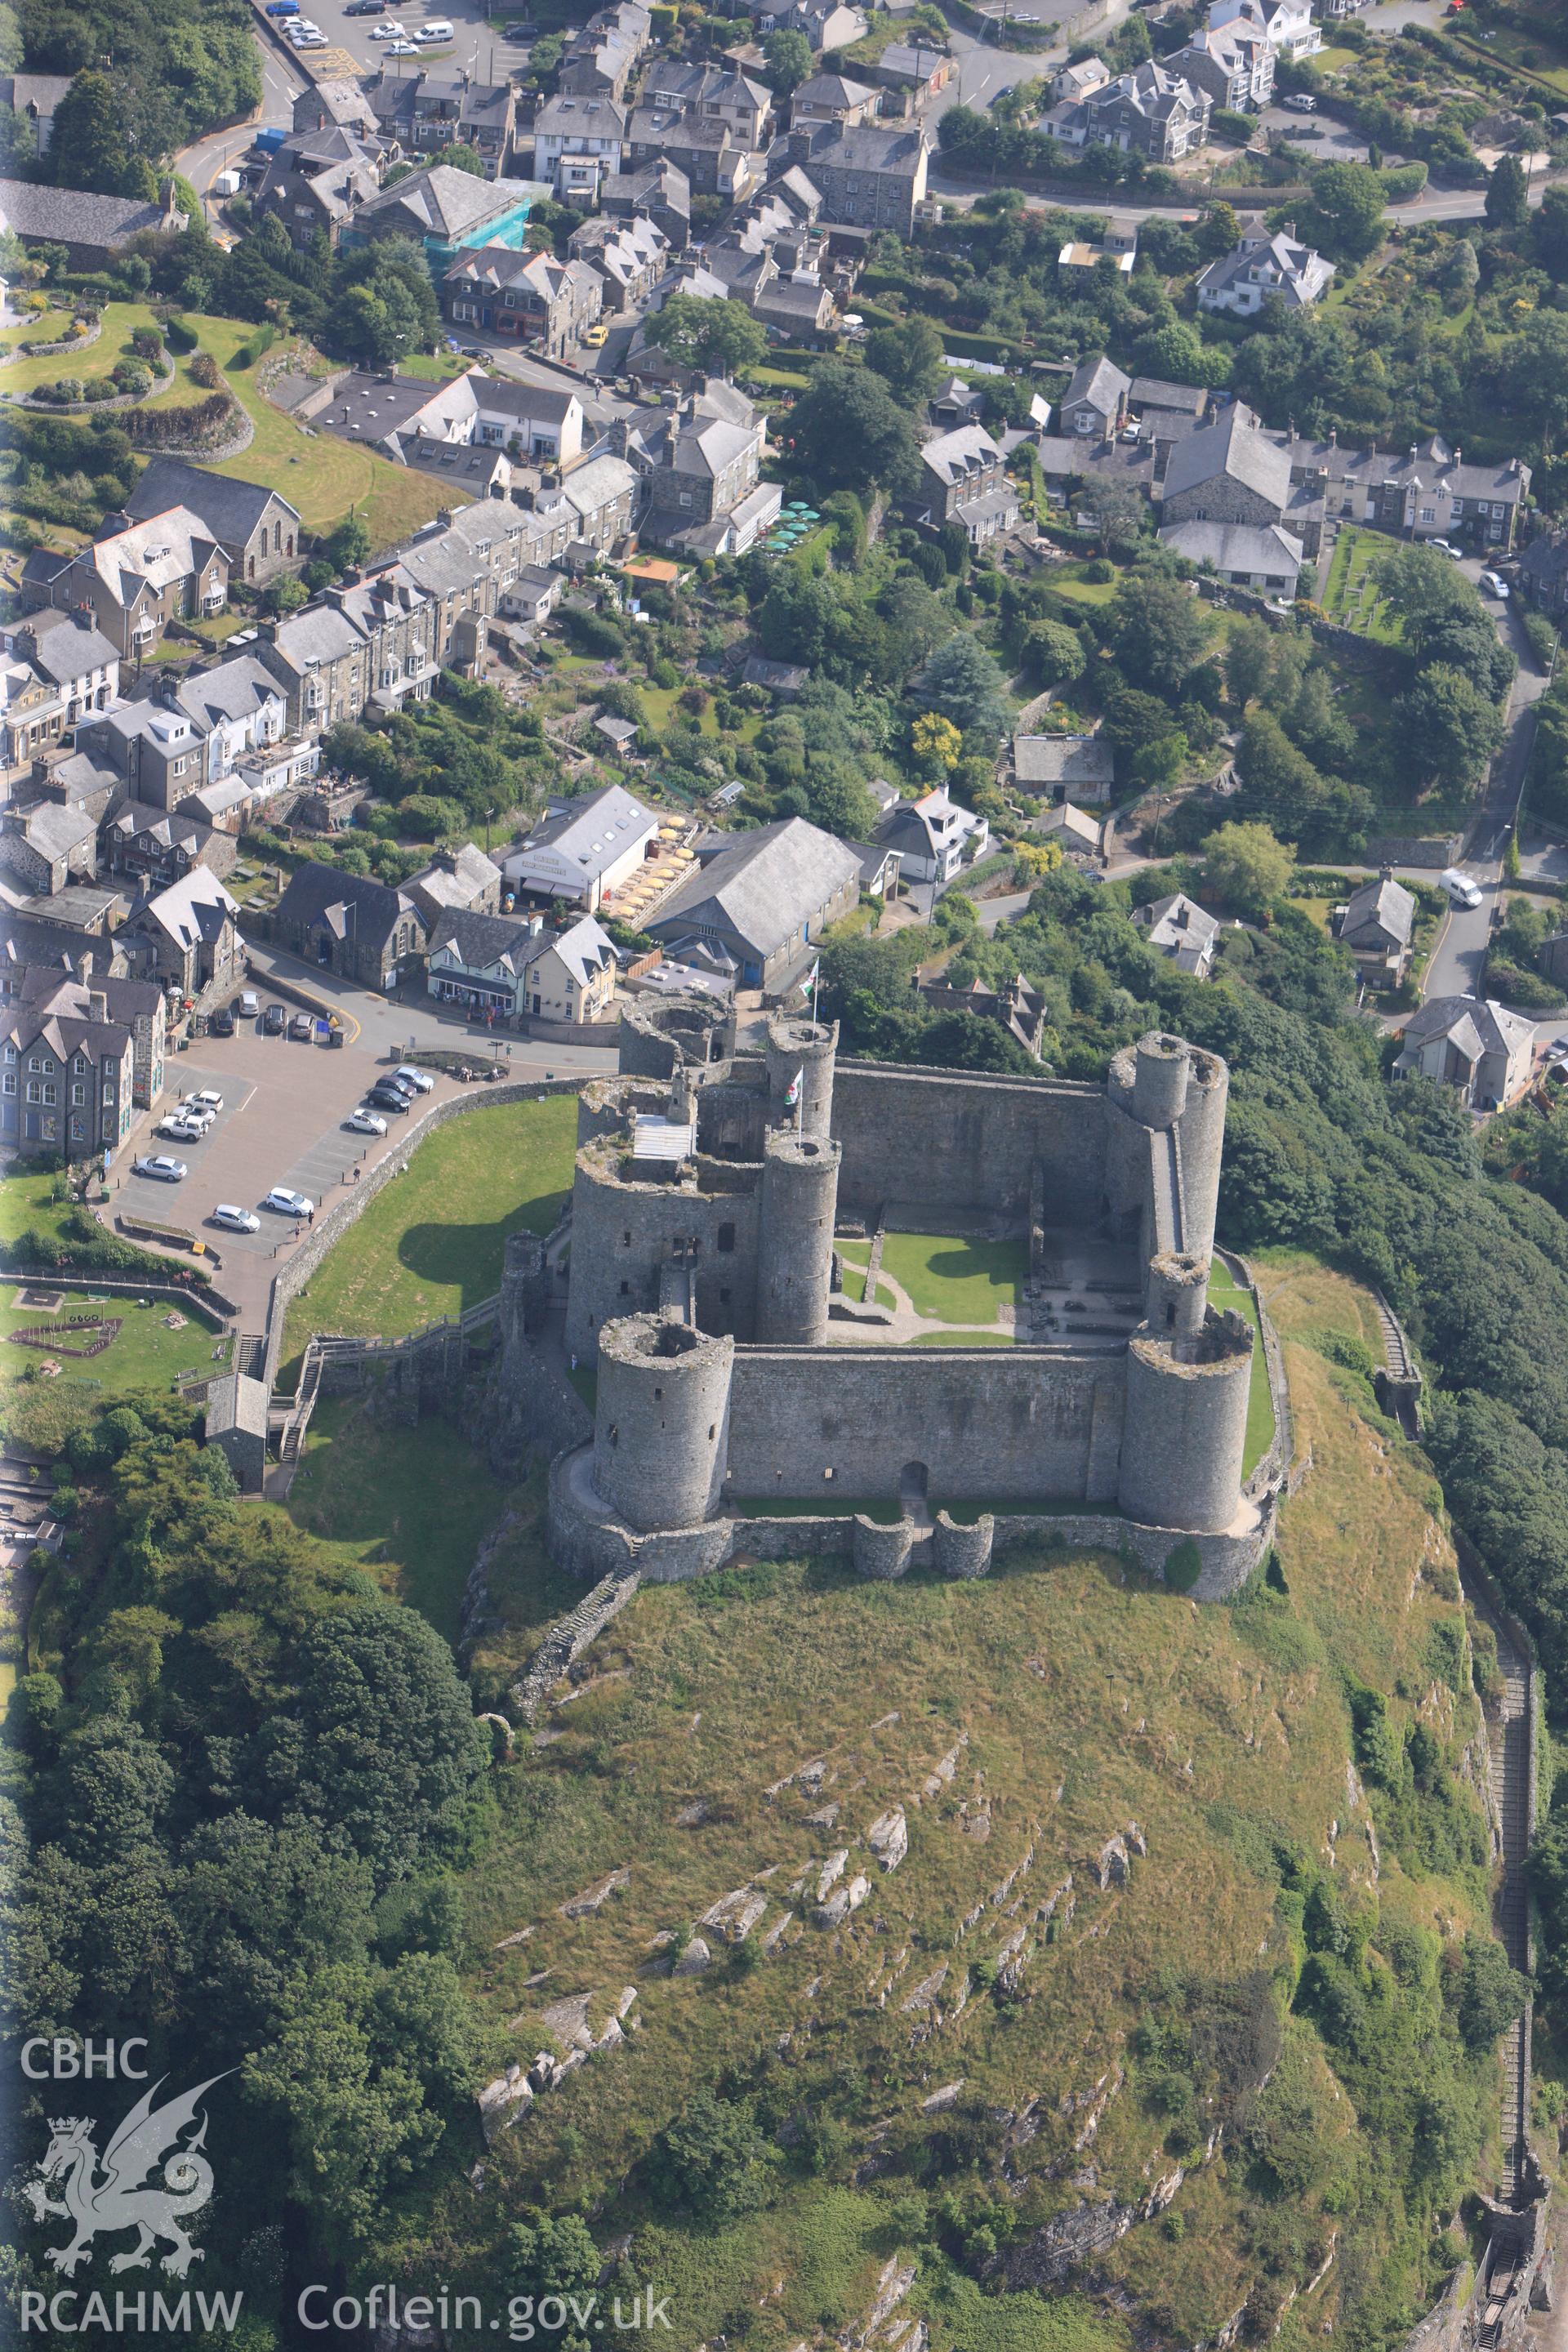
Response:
column 208, row 1098
column 366, row 1122
column 236, row 1220
column 182, row 1130
column 160, row 1166
column 288, row 1203
column 1493, row 584
column 420, row 1080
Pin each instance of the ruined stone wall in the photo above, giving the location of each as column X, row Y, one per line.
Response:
column 943, row 1141
column 992, row 1424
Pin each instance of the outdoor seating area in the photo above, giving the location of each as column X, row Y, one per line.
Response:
column 640, row 895
column 793, row 525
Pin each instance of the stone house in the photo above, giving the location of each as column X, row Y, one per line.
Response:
column 1183, row 931
column 1248, row 555
column 1232, row 471
column 1094, row 406
column 1234, row 63
column 361, row 929
column 1072, row 84
column 424, row 112
column 934, row 837
column 316, row 184
column 159, row 845
column 1474, row 1044
column 1066, row 767
column 185, row 938
column 659, row 192
column 1150, row 112
column 964, row 479
column 1286, row 25
column 538, row 300
column 1543, row 572
column 137, row 577
column 366, row 642
column 456, row 881
column 44, row 848
column 67, row 1075
column 869, row 176
column 261, row 535
column 711, row 93
column 1377, row 924
column 1016, row 1006
column 93, row 229
column 715, row 161
column 57, row 667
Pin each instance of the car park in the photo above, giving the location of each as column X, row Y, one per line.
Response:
column 1495, row 586
column 274, row 1020
column 287, row 1203
column 366, row 1122
column 302, row 1027
column 236, row 1220
column 162, row 1167
column 420, row 1080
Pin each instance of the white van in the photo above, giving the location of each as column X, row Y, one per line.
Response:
column 1462, row 891
column 440, row 28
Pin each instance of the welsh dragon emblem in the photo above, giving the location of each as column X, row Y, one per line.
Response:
column 113, row 2192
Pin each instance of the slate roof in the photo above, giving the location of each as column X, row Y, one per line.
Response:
column 1234, row 448
column 484, row 942
column 1385, row 902
column 191, row 909
column 444, row 203
column 1178, row 927
column 966, row 454
column 1153, row 391
column 230, row 509
column 585, row 949
column 1474, row 1024
column 1101, row 383
column 67, row 646
column 237, row 689
column 1063, row 759
column 73, row 217
column 1237, row 547
column 766, row 888
column 353, row 906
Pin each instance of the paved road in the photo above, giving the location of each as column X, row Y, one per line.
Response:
column 1454, row 967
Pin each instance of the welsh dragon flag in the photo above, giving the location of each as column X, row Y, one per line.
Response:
column 794, row 1095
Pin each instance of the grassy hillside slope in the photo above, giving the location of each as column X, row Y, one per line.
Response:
column 1241, row 2072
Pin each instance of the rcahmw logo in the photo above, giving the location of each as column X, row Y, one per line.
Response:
column 148, row 2178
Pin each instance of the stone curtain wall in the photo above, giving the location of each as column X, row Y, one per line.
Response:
column 936, row 1140
column 998, row 1423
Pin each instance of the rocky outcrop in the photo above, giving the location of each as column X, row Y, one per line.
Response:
column 888, row 1837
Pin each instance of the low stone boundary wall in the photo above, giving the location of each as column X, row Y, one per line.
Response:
column 593, row 1543
column 52, row 350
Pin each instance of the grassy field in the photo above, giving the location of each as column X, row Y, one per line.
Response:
column 1224, row 1292
column 431, row 1244
column 856, row 1256
column 410, row 1505
column 1067, row 579
column 1065, row 1697
column 956, row 1280
column 320, row 474
column 48, row 326
column 27, row 1204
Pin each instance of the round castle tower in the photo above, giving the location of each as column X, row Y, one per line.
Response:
column 1178, row 1296
column 804, row 1049
column 1164, row 1085
column 661, row 1423
column 1185, row 1428
column 794, row 1257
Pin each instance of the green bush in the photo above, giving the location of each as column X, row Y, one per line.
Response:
column 1183, row 1566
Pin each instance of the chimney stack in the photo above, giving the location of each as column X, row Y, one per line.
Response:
column 97, row 1004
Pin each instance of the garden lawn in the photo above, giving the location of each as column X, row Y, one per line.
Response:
column 321, row 476
column 431, row 1243
column 1067, row 579
column 1224, row 1292
column 121, row 321
column 143, row 1354
column 48, row 326
column 411, row 1506
column 27, row 1203
column 955, row 1279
